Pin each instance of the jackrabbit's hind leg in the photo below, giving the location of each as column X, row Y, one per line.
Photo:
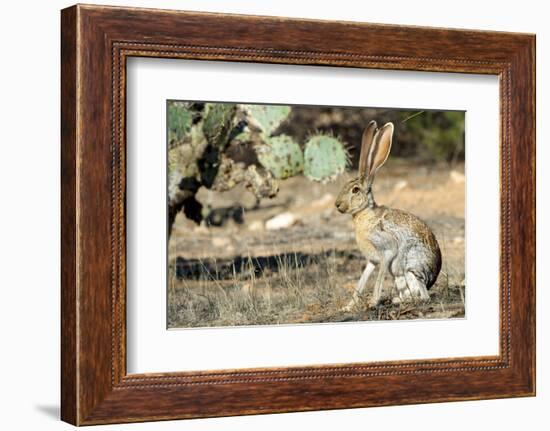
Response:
column 403, row 291
column 360, row 285
column 417, row 287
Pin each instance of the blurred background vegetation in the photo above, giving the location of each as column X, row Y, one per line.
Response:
column 218, row 146
column 422, row 136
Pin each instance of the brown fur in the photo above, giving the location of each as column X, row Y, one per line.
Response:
column 394, row 240
column 367, row 220
column 364, row 223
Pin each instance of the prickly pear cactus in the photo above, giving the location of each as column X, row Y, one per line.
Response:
column 179, row 121
column 218, row 123
column 267, row 117
column 324, row 158
column 281, row 156
column 200, row 134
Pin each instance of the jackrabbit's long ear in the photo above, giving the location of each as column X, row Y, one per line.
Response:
column 380, row 150
column 366, row 146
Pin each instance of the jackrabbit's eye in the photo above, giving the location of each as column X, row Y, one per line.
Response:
column 355, row 189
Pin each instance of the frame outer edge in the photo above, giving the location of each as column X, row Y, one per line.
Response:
column 529, row 63
column 533, row 55
column 532, row 79
column 69, row 202
column 88, row 397
column 523, row 216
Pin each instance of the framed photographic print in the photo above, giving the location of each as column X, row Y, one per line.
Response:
column 265, row 215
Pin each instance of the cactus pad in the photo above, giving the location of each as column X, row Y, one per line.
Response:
column 268, row 117
column 325, row 157
column 218, row 122
column 179, row 121
column 281, row 156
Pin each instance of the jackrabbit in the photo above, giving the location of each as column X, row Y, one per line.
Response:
column 389, row 238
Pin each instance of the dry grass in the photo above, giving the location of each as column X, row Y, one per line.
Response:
column 294, row 292
column 313, row 266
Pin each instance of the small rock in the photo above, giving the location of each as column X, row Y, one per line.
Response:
column 400, row 185
column 318, row 206
column 281, row 221
column 457, row 177
column 324, row 201
column 256, row 226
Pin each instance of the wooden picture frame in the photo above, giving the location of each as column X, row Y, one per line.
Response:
column 96, row 41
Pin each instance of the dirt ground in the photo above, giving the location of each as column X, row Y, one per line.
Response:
column 293, row 259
